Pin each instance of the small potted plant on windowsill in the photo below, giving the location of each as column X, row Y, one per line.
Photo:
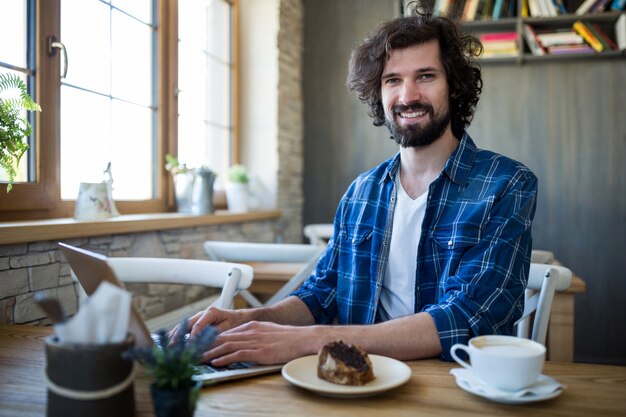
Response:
column 14, row 126
column 237, row 189
column 173, row 363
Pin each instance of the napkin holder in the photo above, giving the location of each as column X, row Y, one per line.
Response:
column 89, row 379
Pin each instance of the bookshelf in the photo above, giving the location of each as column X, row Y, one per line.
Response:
column 605, row 20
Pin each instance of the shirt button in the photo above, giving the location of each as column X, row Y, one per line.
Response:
column 450, row 243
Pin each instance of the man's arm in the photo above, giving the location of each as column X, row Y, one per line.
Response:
column 263, row 341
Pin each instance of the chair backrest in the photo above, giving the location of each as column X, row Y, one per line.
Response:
column 318, row 234
column 539, row 256
column 230, row 277
column 307, row 255
column 543, row 281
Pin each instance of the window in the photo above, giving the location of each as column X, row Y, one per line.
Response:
column 14, row 59
column 108, row 99
column 145, row 78
column 205, row 83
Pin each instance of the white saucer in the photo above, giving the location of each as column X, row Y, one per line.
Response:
column 390, row 373
column 466, row 384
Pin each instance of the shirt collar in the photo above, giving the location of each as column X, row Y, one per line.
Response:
column 457, row 168
column 460, row 162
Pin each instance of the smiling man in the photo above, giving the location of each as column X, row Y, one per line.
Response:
column 431, row 247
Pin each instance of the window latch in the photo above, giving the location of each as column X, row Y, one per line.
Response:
column 53, row 45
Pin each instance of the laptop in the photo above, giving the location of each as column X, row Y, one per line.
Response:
column 92, row 268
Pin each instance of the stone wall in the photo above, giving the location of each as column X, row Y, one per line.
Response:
column 290, row 197
column 40, row 268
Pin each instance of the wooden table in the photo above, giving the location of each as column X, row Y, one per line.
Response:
column 592, row 390
column 269, row 277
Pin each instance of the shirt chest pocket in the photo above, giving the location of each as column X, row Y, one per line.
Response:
column 457, row 238
column 357, row 236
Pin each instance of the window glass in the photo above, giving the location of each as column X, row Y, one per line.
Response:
column 85, row 139
column 205, row 78
column 13, row 53
column 131, row 59
column 107, row 111
column 13, row 27
column 87, row 38
column 139, row 9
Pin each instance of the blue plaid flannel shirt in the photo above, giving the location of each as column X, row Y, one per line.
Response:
column 474, row 252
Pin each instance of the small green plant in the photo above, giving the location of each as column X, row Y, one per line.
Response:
column 173, row 165
column 174, row 361
column 238, row 173
column 14, row 126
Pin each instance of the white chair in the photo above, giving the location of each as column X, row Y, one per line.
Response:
column 543, row 281
column 307, row 255
column 318, row 234
column 538, row 256
column 230, row 277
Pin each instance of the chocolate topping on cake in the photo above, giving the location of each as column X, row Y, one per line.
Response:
column 344, row 364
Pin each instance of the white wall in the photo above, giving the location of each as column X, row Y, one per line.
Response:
column 258, row 93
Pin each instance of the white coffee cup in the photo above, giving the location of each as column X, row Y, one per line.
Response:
column 504, row 362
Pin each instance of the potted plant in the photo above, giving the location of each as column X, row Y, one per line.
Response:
column 193, row 187
column 14, row 125
column 237, row 189
column 173, row 362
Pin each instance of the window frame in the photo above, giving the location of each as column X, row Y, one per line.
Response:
column 41, row 199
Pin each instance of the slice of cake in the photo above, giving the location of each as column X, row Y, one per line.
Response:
column 344, row 364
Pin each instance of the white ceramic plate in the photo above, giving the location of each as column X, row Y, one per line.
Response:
column 390, row 373
column 528, row 398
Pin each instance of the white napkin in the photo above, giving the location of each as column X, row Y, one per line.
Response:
column 543, row 386
column 103, row 318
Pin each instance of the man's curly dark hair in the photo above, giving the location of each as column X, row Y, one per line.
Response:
column 457, row 54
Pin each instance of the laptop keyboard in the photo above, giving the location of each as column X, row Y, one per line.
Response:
column 208, row 369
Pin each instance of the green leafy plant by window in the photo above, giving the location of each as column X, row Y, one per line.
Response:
column 238, row 173
column 14, row 126
column 173, row 165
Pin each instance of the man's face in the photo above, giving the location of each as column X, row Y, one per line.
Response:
column 414, row 93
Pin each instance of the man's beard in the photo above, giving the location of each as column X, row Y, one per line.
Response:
column 414, row 135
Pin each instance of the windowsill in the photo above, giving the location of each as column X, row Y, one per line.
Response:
column 41, row 230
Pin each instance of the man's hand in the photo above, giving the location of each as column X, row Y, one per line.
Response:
column 263, row 343
column 222, row 319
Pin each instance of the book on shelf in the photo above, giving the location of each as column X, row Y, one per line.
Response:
column 591, row 6
column 533, row 8
column 470, row 9
column 618, row 5
column 599, row 6
column 601, row 35
column 560, row 37
column 497, row 9
column 560, row 7
column 487, row 10
column 620, row 32
column 525, row 12
column 542, row 8
column 536, row 48
column 571, row 49
column 498, row 36
column 499, row 44
column 588, row 36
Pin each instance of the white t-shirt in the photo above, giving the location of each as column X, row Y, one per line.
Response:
column 397, row 297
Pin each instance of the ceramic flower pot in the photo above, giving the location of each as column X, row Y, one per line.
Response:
column 237, row 197
column 174, row 403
